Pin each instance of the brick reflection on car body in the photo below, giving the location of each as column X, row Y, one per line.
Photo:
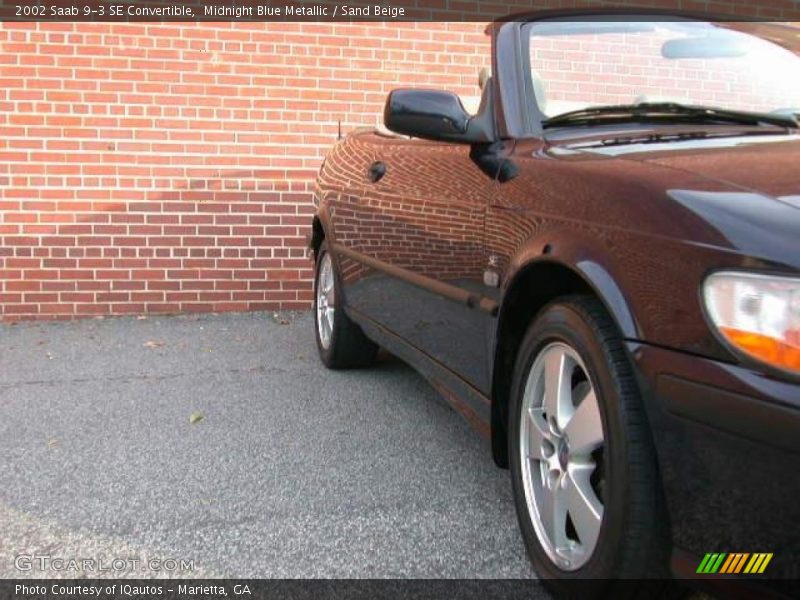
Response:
column 464, row 250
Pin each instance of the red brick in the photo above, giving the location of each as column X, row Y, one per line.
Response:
column 162, row 178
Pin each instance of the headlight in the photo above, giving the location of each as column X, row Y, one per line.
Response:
column 758, row 315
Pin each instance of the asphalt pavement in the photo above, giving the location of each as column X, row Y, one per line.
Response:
column 221, row 440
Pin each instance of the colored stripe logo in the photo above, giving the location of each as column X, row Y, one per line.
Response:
column 734, row 563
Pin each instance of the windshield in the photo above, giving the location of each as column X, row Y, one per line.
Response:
column 584, row 64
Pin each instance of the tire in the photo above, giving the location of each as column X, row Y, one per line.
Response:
column 608, row 520
column 341, row 343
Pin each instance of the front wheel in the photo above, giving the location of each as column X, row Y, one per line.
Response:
column 341, row 343
column 583, row 466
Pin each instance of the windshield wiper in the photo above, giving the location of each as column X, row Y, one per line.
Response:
column 674, row 111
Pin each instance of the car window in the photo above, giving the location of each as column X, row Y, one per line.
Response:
column 577, row 65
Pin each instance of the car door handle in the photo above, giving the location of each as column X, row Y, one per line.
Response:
column 376, row 171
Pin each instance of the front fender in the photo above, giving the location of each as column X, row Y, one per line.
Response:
column 587, row 258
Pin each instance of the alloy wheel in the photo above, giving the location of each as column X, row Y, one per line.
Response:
column 561, row 446
column 326, row 296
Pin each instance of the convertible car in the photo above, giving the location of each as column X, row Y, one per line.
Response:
column 600, row 270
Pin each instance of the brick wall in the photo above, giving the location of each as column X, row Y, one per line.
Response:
column 150, row 167
column 167, row 167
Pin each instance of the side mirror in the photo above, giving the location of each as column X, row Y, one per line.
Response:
column 434, row 115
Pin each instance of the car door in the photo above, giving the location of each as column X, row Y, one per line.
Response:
column 420, row 224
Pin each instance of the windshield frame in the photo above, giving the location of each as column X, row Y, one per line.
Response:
column 536, row 118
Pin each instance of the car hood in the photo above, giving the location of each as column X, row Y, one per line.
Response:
column 766, row 165
column 740, row 192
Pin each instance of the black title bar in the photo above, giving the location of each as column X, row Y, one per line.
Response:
column 361, row 10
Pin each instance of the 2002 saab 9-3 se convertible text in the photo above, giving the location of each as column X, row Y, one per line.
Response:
column 600, row 269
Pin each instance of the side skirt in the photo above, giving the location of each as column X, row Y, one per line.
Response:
column 471, row 404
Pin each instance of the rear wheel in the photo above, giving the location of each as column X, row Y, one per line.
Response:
column 583, row 466
column 341, row 343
